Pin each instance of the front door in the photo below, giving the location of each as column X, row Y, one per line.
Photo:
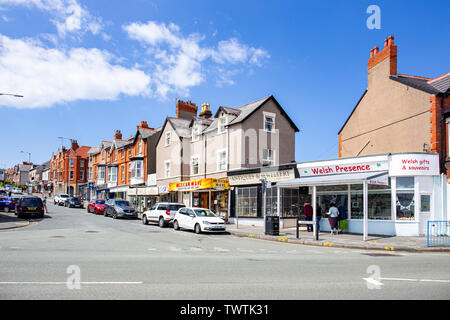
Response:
column 204, row 200
column 425, row 213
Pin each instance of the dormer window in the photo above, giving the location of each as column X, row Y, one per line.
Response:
column 222, row 124
column 196, row 131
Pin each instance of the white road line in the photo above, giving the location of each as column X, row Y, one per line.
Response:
column 244, row 250
column 195, row 249
column 152, row 249
column 221, row 250
column 64, row 283
column 174, row 249
column 415, row 280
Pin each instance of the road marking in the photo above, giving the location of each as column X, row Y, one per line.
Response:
column 221, row 250
column 174, row 249
column 152, row 249
column 65, row 282
column 374, row 282
column 244, row 250
column 415, row 280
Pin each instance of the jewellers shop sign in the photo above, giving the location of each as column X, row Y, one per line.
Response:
column 355, row 165
column 412, row 164
column 255, row 178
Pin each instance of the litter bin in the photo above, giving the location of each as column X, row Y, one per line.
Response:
column 273, row 225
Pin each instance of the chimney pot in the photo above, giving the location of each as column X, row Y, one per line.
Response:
column 385, row 42
column 391, row 40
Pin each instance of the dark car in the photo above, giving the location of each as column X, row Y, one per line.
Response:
column 73, row 202
column 7, row 204
column 118, row 208
column 30, row 206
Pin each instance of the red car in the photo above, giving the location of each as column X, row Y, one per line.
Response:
column 96, row 206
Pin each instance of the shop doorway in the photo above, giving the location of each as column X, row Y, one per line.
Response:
column 425, row 213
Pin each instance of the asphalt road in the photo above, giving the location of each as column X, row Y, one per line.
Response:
column 124, row 259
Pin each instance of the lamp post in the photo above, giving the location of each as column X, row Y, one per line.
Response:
column 29, row 155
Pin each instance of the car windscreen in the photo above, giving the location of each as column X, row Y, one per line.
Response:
column 175, row 207
column 64, row 196
column 75, row 199
column 100, row 202
column 31, row 202
column 204, row 213
column 122, row 203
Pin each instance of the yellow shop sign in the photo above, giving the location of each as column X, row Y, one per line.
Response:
column 191, row 185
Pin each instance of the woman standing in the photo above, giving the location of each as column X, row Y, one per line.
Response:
column 333, row 213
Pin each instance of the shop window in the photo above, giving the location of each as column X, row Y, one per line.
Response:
column 405, row 198
column 379, row 202
column 247, row 199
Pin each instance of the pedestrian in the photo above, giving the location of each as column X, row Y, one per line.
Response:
column 44, row 201
column 308, row 210
column 318, row 216
column 333, row 214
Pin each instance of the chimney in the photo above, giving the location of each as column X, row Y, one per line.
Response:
column 142, row 125
column 389, row 52
column 206, row 112
column 75, row 145
column 118, row 135
column 186, row 110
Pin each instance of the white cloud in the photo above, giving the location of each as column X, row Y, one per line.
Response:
column 69, row 15
column 50, row 76
column 179, row 62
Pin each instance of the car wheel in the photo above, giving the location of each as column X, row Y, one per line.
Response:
column 144, row 219
column 176, row 226
column 161, row 223
column 114, row 215
column 197, row 229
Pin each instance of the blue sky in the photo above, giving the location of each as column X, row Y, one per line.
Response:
column 87, row 68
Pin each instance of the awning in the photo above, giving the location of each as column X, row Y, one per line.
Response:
column 380, row 177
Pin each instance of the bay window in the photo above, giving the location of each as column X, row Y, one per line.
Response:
column 405, row 198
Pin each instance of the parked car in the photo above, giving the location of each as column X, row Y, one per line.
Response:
column 118, row 208
column 60, row 198
column 8, row 204
column 73, row 202
column 162, row 212
column 29, row 206
column 96, row 206
column 199, row 220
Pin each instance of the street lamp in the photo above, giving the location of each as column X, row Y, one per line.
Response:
column 62, row 141
column 29, row 155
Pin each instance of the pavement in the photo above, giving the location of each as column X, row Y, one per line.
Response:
column 10, row 221
column 341, row 240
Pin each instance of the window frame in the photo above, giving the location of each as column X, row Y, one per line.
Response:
column 272, row 116
column 220, row 161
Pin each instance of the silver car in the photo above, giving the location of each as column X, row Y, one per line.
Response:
column 118, row 208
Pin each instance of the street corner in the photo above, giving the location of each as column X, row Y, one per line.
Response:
column 8, row 221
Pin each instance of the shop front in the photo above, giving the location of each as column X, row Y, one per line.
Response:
column 204, row 193
column 143, row 197
column 246, row 195
column 391, row 194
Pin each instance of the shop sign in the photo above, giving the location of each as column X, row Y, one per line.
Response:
column 255, row 178
column 414, row 165
column 382, row 180
column 210, row 183
column 163, row 189
column 343, row 168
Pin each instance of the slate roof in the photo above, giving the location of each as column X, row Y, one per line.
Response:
column 181, row 126
column 415, row 82
column 441, row 83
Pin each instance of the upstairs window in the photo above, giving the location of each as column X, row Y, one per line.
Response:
column 269, row 123
column 268, row 157
column 71, row 162
column 222, row 124
column 194, row 165
column 222, row 160
column 167, row 138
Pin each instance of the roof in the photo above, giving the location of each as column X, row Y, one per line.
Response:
column 94, row 150
column 441, row 83
column 83, row 151
column 181, row 127
column 415, row 82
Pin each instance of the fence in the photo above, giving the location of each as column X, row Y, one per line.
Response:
column 438, row 233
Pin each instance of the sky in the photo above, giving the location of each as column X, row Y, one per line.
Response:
column 88, row 68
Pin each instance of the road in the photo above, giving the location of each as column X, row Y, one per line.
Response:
column 124, row 259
